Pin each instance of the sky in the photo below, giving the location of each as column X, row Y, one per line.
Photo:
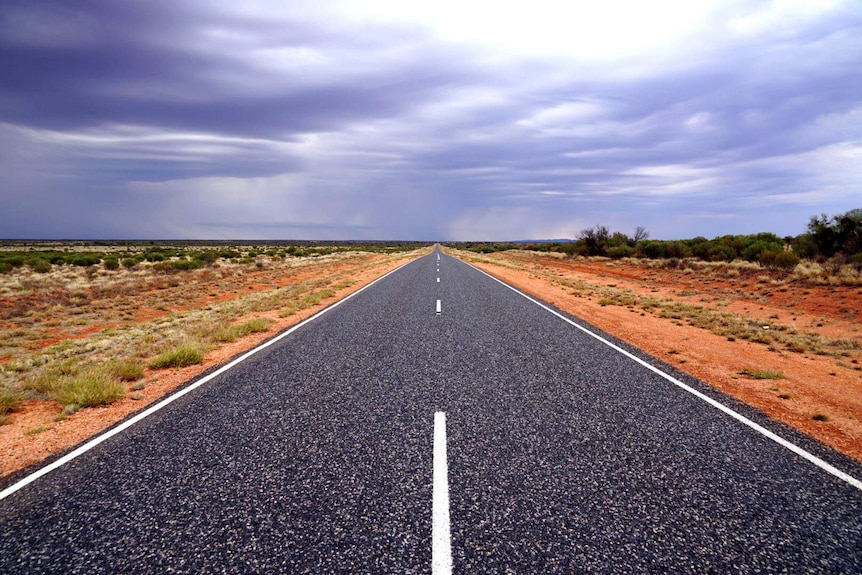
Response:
column 445, row 120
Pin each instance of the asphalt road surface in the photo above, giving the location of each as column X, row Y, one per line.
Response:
column 560, row 455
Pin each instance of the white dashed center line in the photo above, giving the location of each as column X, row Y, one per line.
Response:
column 441, row 545
column 439, row 308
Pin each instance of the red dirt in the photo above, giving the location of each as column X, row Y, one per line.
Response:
column 815, row 383
column 34, row 434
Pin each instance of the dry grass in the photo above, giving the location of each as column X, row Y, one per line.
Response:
column 56, row 325
column 127, row 370
column 234, row 332
column 731, row 325
column 9, row 401
column 180, row 356
column 90, row 388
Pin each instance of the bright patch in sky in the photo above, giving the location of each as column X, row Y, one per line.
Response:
column 581, row 30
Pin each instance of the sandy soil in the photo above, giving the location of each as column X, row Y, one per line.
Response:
column 34, row 433
column 812, row 383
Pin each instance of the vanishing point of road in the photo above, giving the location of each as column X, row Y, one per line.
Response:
column 439, row 421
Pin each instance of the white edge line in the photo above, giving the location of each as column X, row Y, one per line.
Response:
column 170, row 399
column 441, row 544
column 720, row 406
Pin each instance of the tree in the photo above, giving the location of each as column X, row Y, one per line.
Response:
column 595, row 240
column 841, row 234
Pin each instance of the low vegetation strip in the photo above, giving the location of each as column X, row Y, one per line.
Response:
column 791, row 348
column 834, row 241
column 728, row 324
column 83, row 337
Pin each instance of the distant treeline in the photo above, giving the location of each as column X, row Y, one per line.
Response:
column 836, row 238
column 173, row 256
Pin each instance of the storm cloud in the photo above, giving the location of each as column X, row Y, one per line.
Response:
column 390, row 121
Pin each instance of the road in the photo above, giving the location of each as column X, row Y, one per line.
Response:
column 561, row 455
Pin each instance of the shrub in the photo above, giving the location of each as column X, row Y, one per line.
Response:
column 84, row 260
column 757, row 245
column 767, row 258
column 786, row 260
column 14, row 260
column 207, row 257
column 90, row 388
column 39, row 265
column 186, row 265
column 5, row 267
column 621, row 251
column 721, row 252
column 181, row 356
column 129, row 262
column 111, row 263
column 650, row 249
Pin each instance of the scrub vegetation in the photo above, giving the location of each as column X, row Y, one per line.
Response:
column 83, row 324
column 743, row 326
column 830, row 251
column 755, row 266
column 762, row 373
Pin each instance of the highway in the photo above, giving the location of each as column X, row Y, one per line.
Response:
column 439, row 420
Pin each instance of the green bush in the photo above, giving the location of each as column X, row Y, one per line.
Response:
column 767, row 258
column 207, row 257
column 14, row 260
column 228, row 254
column 39, row 265
column 5, row 267
column 111, row 264
column 676, row 249
column 181, row 356
column 186, row 265
column 722, row 253
column 786, row 260
column 651, row 249
column 84, row 260
column 130, row 262
column 760, row 244
column 618, row 252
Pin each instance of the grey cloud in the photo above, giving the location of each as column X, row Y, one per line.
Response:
column 403, row 133
column 156, row 66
